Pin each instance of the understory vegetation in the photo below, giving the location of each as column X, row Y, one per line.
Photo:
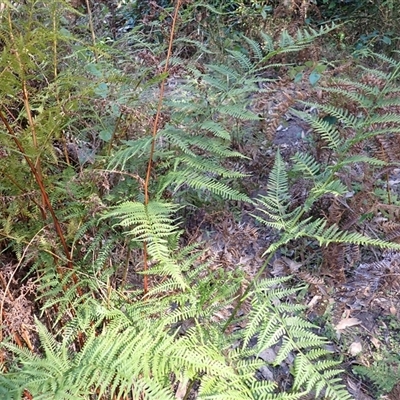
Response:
column 199, row 200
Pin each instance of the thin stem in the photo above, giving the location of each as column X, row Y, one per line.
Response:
column 247, row 291
column 27, row 105
column 154, row 135
column 89, row 10
column 39, row 181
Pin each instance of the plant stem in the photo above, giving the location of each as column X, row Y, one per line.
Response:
column 154, row 135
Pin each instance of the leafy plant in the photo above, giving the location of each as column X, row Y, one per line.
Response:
column 100, row 151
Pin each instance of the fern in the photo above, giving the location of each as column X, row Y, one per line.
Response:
column 131, row 350
column 382, row 373
column 275, row 206
column 109, row 342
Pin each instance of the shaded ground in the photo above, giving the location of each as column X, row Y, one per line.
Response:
column 358, row 311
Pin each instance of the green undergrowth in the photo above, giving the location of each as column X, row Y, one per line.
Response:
column 124, row 308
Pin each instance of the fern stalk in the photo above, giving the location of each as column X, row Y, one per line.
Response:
column 89, row 11
column 25, row 97
column 154, row 135
column 45, row 196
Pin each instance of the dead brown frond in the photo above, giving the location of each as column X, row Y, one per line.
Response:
column 387, row 146
column 274, row 107
column 297, row 10
column 333, row 262
column 17, row 309
column 370, row 280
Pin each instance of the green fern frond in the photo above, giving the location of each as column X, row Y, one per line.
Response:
column 365, row 89
column 327, row 131
column 217, row 84
column 208, row 167
column 133, row 150
column 228, row 74
column 320, row 375
column 306, row 164
column 238, row 112
column 391, row 100
column 188, row 143
column 151, row 223
column 216, row 129
column 245, row 63
column 314, row 370
column 148, row 221
column 352, row 160
column 384, row 57
column 325, row 185
column 190, row 178
column 309, row 34
column 342, row 115
column 360, row 99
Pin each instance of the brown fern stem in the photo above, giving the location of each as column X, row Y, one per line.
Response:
column 39, row 181
column 154, row 134
column 25, row 96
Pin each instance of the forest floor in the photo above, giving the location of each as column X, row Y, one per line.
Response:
column 357, row 309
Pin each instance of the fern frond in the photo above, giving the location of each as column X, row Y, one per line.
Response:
column 133, row 150
column 314, row 370
column 360, row 99
column 238, row 112
column 342, row 115
column 188, row 143
column 327, row 131
column 365, row 89
column 228, row 74
column 352, row 160
column 255, row 47
column 149, row 221
column 190, row 178
column 306, row 164
column 216, row 129
column 208, row 167
column 321, row 375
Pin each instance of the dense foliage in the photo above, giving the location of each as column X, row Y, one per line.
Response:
column 123, row 122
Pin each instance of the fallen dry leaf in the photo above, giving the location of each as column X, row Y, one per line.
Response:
column 355, row 348
column 346, row 323
column 376, row 342
column 315, row 300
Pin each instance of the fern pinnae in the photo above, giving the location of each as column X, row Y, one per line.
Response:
column 389, row 118
column 245, row 63
column 363, row 88
column 229, row 75
column 342, row 115
column 306, row 164
column 327, row 132
column 191, row 179
column 278, row 184
column 206, row 166
column 131, row 153
column 217, row 129
column 359, row 158
column 358, row 98
column 390, row 101
column 239, row 112
column 255, row 48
